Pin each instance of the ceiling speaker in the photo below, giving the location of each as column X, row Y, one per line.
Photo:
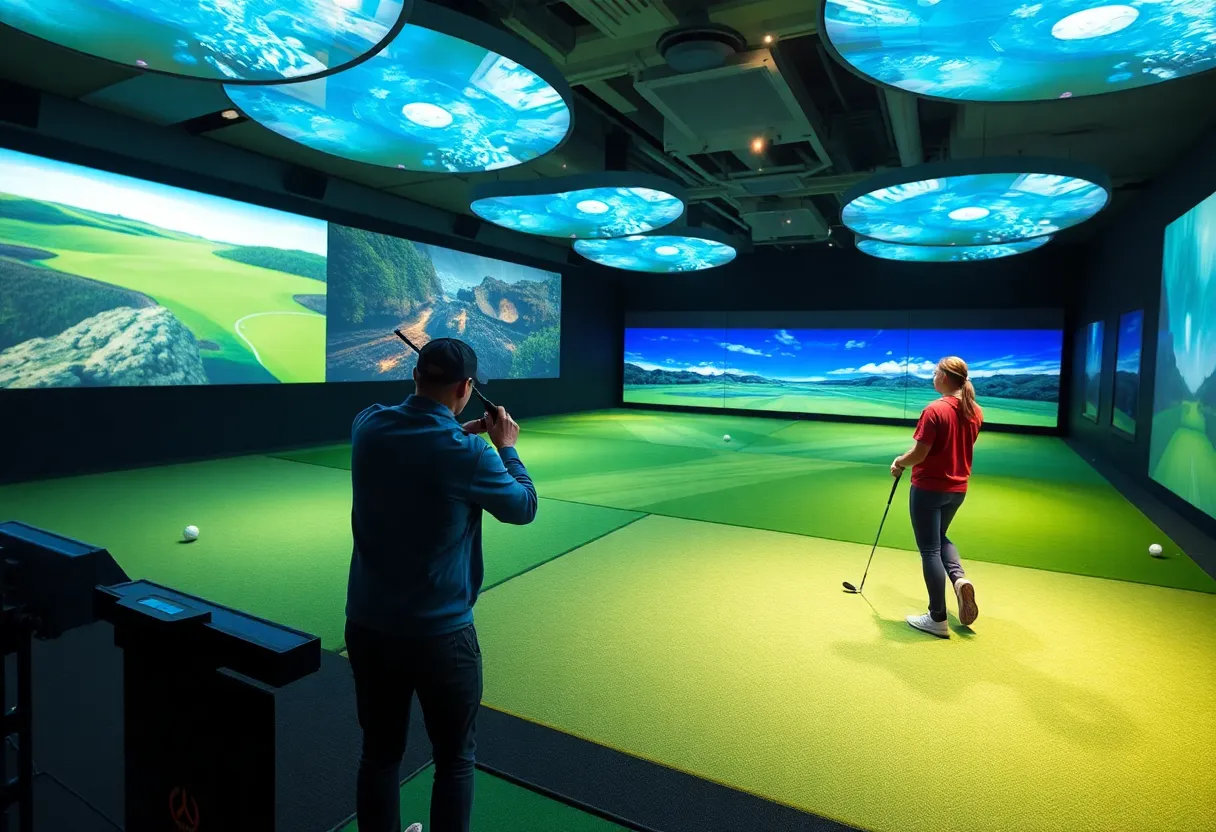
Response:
column 304, row 182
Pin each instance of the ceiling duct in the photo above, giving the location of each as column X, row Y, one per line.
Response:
column 769, row 185
column 625, row 18
column 725, row 108
column 700, row 47
column 784, row 220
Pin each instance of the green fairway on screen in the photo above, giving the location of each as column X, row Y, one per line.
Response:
column 1182, row 450
column 875, row 373
column 106, row 280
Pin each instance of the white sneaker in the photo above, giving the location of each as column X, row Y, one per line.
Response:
column 414, row 827
column 967, row 610
column 925, row 622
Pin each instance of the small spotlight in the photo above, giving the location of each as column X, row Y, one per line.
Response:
column 758, row 145
column 563, row 165
column 230, row 114
column 768, row 39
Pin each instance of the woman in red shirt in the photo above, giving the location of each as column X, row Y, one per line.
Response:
column 941, row 466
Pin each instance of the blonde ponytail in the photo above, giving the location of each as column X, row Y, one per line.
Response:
column 956, row 369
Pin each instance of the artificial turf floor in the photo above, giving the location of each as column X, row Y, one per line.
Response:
column 1033, row 501
column 733, row 654
column 730, row 652
column 499, row 806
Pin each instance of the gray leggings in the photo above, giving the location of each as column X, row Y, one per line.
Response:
column 931, row 513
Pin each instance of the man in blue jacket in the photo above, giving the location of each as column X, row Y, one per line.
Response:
column 420, row 482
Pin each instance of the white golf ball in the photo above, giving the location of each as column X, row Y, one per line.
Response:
column 190, row 533
column 726, row 438
column 1155, row 549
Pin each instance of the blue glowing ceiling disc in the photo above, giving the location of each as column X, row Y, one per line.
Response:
column 596, row 205
column 449, row 94
column 235, row 41
column 947, row 254
column 1021, row 50
column 677, row 250
column 975, row 202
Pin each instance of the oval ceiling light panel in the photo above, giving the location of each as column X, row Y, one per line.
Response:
column 1020, row 50
column 947, row 254
column 449, row 94
column 235, row 41
column 975, row 202
column 676, row 250
column 591, row 206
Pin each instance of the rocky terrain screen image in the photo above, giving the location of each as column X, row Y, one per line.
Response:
column 856, row 372
column 510, row 314
column 106, row 280
column 1182, row 450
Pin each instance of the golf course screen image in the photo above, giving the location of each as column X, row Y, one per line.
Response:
column 857, row 372
column 112, row 281
column 1182, row 454
column 510, row 314
column 107, row 280
column 1095, row 334
column 1127, row 372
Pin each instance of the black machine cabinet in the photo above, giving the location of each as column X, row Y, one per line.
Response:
column 200, row 739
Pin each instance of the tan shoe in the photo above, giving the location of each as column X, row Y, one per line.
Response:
column 967, row 610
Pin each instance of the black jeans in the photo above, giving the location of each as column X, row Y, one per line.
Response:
column 931, row 513
column 445, row 671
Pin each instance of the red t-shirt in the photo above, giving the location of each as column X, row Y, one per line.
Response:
column 951, row 438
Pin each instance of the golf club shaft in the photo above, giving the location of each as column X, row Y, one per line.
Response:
column 894, row 485
column 486, row 403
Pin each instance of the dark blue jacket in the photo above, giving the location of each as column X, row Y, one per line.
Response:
column 419, row 486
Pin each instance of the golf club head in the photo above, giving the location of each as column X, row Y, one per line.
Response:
column 848, row 587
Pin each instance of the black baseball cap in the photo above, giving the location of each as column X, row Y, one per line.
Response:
column 447, row 361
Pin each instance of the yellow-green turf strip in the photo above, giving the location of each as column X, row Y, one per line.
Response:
column 733, row 654
column 1033, row 501
column 275, row 536
column 498, row 806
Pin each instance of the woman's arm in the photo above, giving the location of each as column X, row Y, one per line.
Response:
column 913, row 457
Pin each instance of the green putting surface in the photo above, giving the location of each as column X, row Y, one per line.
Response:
column 1033, row 501
column 498, row 806
column 733, row 654
column 275, row 537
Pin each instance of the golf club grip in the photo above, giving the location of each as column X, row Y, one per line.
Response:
column 894, row 485
column 486, row 403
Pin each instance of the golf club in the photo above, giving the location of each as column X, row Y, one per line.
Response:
column 481, row 379
column 857, row 589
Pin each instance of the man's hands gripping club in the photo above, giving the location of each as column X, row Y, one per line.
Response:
column 498, row 424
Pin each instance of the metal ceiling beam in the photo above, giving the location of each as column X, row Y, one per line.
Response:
column 814, row 187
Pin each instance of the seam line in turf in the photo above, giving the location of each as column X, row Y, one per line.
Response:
column 496, row 584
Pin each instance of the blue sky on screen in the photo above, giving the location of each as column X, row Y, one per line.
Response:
column 210, row 217
column 1130, row 336
column 820, row 355
column 1093, row 348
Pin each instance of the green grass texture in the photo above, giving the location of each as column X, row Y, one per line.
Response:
column 498, row 806
column 1033, row 502
column 209, row 294
column 734, row 655
column 829, row 400
column 275, row 537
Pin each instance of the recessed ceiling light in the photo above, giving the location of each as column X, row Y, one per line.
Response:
column 673, row 250
column 975, row 202
column 758, row 145
column 1013, row 50
column 231, row 115
column 768, row 39
column 948, row 254
column 237, row 43
column 585, row 206
column 448, row 94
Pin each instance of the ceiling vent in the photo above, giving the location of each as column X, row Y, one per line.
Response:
column 698, row 48
column 769, row 185
column 625, row 18
column 725, row 108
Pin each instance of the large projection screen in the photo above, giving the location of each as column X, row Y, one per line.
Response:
column 111, row 281
column 877, row 371
column 1182, row 450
